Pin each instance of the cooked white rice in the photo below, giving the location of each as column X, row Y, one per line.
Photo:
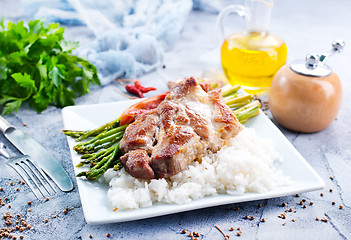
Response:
column 245, row 165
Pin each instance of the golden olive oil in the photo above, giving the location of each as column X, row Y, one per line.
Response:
column 252, row 59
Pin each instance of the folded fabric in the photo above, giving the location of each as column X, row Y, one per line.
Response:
column 131, row 35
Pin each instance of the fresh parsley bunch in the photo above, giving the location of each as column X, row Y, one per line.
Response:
column 37, row 66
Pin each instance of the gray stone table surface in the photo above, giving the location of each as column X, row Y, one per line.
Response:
column 306, row 26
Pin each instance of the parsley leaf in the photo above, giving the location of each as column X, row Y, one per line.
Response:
column 37, row 66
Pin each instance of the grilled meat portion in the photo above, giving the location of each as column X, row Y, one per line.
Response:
column 188, row 124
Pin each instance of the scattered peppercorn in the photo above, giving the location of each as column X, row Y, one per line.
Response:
column 303, row 200
column 304, row 206
column 290, row 209
column 29, row 203
column 238, row 234
column 331, row 178
column 284, row 204
column 341, row 207
column 54, row 216
column 17, row 189
column 65, row 211
column 263, row 220
column 311, row 203
column 301, row 203
column 231, row 229
column 330, row 190
column 6, row 198
column 324, row 219
column 247, row 217
column 46, row 220
column 252, row 218
column 11, row 183
column 333, row 203
column 321, row 194
column 237, row 208
column 259, row 205
column 1, row 189
column 47, row 199
column 297, row 195
column 196, row 234
column 90, row 236
column 21, row 236
column 108, row 235
column 184, row 231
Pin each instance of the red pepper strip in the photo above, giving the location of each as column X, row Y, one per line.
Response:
column 134, row 90
column 151, row 103
column 143, row 89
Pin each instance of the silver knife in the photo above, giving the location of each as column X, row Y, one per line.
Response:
column 28, row 146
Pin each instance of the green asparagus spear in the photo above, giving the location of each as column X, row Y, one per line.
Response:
column 229, row 90
column 81, row 135
column 248, row 111
column 99, row 143
column 96, row 172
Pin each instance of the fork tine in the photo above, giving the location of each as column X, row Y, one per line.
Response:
column 29, row 175
column 26, row 180
column 25, row 162
column 43, row 174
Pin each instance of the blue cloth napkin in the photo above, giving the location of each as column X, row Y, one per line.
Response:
column 131, row 35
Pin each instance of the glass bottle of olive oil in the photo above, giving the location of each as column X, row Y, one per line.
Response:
column 252, row 57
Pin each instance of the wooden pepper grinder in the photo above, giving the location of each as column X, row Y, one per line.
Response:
column 306, row 95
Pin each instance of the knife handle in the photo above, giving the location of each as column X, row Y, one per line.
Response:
column 4, row 125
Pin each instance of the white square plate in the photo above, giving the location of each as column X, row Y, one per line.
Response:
column 98, row 210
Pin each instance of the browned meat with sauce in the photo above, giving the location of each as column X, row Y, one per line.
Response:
column 187, row 125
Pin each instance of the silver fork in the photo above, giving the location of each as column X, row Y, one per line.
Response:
column 32, row 175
